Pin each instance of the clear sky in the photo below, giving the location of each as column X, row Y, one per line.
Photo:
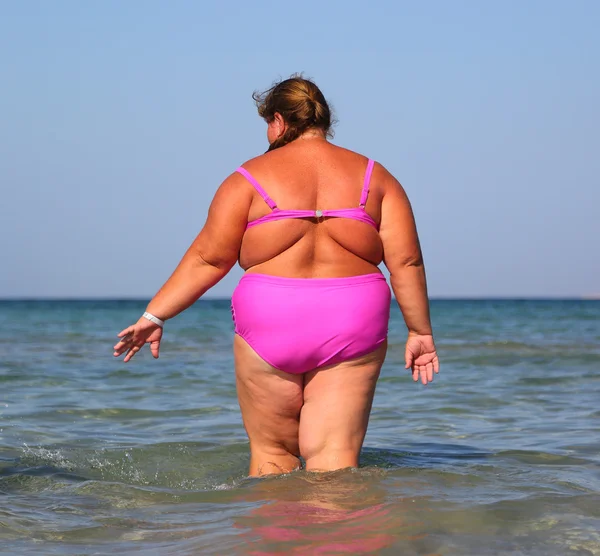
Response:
column 119, row 119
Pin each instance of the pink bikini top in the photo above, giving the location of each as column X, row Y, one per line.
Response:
column 356, row 213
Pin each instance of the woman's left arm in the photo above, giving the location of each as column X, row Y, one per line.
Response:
column 210, row 257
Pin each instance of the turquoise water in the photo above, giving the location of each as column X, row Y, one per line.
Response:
column 501, row 455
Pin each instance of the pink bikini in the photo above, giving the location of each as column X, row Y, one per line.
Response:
column 356, row 213
column 300, row 324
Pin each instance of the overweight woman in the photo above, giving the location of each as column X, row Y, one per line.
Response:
column 310, row 223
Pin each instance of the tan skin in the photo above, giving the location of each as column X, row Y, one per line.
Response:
column 321, row 416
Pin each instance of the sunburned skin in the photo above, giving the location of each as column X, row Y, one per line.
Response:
column 318, row 246
column 291, row 410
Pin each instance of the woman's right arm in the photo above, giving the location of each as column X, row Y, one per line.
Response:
column 210, row 257
column 403, row 258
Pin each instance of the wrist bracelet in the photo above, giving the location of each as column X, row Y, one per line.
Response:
column 153, row 319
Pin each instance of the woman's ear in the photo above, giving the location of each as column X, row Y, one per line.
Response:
column 279, row 124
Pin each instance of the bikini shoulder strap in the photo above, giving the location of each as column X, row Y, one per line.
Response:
column 365, row 190
column 257, row 186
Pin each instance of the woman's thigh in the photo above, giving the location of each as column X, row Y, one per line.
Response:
column 270, row 401
column 335, row 414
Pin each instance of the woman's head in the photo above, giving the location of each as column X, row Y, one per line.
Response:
column 291, row 108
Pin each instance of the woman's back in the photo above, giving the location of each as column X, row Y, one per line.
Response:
column 314, row 175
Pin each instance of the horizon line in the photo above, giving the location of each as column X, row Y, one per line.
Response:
column 228, row 298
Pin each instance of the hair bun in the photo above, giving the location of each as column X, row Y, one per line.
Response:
column 301, row 104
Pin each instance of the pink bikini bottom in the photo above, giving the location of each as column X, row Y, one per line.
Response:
column 300, row 324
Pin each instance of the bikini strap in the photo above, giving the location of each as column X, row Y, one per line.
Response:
column 365, row 190
column 259, row 189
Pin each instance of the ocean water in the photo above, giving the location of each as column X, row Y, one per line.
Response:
column 500, row 455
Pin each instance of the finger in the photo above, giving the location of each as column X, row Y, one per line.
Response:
column 429, row 368
column 128, row 330
column 415, row 373
column 423, row 372
column 154, row 348
column 121, row 351
column 123, row 346
column 409, row 358
column 123, row 342
column 131, row 353
column 436, row 364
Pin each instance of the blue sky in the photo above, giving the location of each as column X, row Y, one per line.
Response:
column 118, row 121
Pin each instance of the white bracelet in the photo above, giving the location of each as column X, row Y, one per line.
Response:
column 154, row 319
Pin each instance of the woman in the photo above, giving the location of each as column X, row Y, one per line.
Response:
column 309, row 222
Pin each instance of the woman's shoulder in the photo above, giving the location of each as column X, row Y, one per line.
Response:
column 254, row 161
column 268, row 162
column 265, row 159
column 362, row 159
column 349, row 154
column 380, row 172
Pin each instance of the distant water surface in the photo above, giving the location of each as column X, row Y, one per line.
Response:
column 500, row 455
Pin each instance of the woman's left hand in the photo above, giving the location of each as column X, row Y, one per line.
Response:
column 135, row 336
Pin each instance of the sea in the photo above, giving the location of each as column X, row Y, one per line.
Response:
column 499, row 455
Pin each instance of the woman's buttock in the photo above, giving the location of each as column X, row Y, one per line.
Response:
column 300, row 324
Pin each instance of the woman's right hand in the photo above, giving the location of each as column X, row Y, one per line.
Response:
column 135, row 336
column 421, row 357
